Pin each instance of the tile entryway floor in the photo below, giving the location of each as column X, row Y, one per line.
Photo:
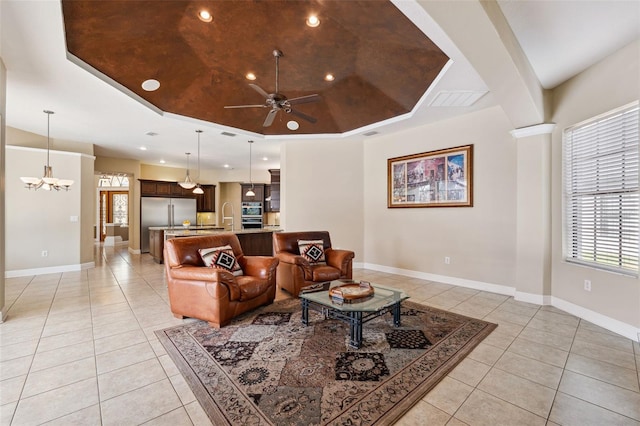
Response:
column 78, row 349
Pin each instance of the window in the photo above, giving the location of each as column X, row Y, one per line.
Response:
column 601, row 191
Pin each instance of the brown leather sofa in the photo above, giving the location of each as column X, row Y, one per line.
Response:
column 216, row 295
column 295, row 272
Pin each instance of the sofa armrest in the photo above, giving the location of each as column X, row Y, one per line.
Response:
column 294, row 259
column 213, row 278
column 259, row 266
column 339, row 258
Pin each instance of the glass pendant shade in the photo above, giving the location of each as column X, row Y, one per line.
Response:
column 47, row 182
column 198, row 190
column 250, row 192
column 188, row 183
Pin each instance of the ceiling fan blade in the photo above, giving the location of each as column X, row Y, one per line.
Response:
column 259, row 90
column 303, row 116
column 304, row 99
column 270, row 117
column 245, row 106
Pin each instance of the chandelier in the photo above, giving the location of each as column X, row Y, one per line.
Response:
column 188, row 183
column 47, row 181
column 250, row 191
column 198, row 189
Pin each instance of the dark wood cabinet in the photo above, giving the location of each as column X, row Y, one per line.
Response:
column 257, row 243
column 258, row 188
column 156, row 245
column 274, row 204
column 207, row 201
column 267, row 200
column 178, row 191
column 156, row 188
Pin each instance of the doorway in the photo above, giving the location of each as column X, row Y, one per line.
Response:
column 114, row 214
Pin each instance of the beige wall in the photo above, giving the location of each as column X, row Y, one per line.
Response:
column 479, row 240
column 322, row 189
column 3, row 112
column 612, row 83
column 41, row 220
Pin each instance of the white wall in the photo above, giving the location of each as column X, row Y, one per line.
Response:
column 480, row 240
column 611, row 83
column 322, row 188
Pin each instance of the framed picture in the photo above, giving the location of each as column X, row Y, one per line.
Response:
column 442, row 178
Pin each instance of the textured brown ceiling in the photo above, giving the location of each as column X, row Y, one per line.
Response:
column 382, row 62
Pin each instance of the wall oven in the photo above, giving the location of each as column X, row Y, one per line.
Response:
column 251, row 214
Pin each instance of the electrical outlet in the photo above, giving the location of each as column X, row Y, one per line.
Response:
column 45, row 253
column 587, row 285
column 447, row 260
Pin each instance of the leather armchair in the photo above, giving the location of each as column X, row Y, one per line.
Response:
column 295, row 272
column 216, row 295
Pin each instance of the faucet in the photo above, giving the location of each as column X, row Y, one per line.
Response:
column 224, row 217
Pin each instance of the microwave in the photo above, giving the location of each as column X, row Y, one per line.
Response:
column 251, row 209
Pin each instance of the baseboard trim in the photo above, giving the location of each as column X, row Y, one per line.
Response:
column 537, row 299
column 611, row 324
column 618, row 327
column 460, row 282
column 134, row 251
column 49, row 270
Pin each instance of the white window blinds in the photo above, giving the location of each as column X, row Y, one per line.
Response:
column 601, row 191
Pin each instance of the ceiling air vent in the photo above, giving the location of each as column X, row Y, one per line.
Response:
column 228, row 134
column 456, row 98
column 371, row 133
column 151, row 134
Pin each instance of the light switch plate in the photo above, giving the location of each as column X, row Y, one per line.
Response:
column 73, row 218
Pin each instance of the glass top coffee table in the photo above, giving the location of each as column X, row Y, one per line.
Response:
column 354, row 312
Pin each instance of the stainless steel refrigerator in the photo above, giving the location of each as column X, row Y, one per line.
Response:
column 164, row 212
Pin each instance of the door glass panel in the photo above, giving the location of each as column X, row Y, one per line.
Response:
column 120, row 208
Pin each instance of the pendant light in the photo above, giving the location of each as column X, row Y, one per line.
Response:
column 250, row 192
column 188, row 183
column 47, row 182
column 198, row 190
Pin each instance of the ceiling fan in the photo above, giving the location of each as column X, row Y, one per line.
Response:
column 277, row 101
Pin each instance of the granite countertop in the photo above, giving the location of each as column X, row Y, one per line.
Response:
column 176, row 232
column 180, row 227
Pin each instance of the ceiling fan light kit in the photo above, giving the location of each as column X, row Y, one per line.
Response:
column 47, row 182
column 279, row 102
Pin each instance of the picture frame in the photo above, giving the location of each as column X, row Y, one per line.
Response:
column 441, row 178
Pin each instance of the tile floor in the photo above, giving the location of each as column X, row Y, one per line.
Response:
column 78, row 349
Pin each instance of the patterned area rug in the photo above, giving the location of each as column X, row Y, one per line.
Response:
column 266, row 368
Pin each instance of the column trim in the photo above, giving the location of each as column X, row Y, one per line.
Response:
column 537, row 129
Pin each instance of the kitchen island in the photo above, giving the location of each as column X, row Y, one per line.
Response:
column 254, row 242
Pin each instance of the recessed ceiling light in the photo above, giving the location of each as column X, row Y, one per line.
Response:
column 150, row 85
column 329, row 77
column 313, row 21
column 265, row 159
column 162, row 161
column 250, row 76
column 226, row 166
column 143, row 148
column 293, row 125
column 205, row 16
